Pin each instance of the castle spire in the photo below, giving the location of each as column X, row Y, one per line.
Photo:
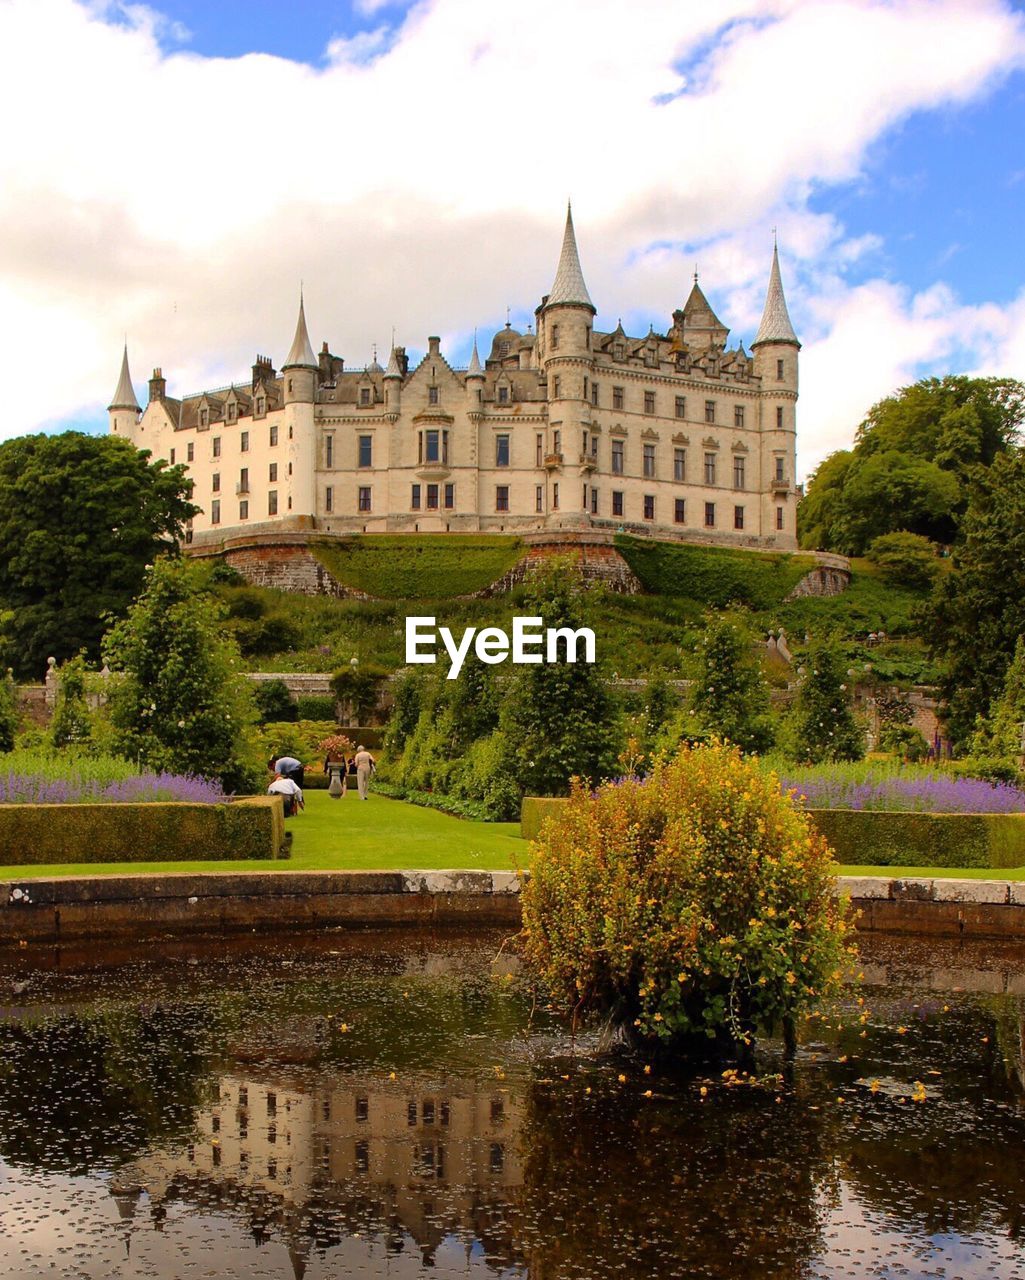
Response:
column 475, row 370
column 569, row 287
column 300, row 354
column 124, row 396
column 394, row 370
column 775, row 325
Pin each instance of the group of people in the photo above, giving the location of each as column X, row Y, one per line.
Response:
column 290, row 776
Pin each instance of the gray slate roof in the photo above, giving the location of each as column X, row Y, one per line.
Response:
column 775, row 326
column 569, row 284
column 300, row 354
column 124, row 396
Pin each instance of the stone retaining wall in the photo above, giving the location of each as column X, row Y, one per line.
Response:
column 66, row 909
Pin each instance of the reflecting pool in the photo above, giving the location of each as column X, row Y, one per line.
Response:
column 392, row 1105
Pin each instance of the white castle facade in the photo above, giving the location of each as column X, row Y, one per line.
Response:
column 562, row 428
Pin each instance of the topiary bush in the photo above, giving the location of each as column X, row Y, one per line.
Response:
column 274, row 702
column 691, row 909
column 315, row 706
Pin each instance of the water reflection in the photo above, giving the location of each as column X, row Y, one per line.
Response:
column 383, row 1107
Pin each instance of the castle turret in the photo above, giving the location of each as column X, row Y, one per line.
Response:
column 393, row 385
column 301, row 366
column 475, row 383
column 299, row 375
column 124, row 409
column 564, row 325
column 775, row 354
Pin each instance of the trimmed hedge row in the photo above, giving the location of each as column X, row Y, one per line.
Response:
column 35, row 834
column 874, row 838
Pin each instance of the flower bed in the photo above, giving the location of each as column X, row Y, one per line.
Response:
column 30, row 777
column 898, row 789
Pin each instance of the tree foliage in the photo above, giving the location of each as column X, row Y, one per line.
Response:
column 913, row 457
column 905, row 559
column 821, row 725
column 731, row 697
column 9, row 717
column 182, row 702
column 80, row 517
column 1000, row 734
column 71, row 723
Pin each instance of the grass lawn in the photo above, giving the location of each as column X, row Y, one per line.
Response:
column 351, row 835
column 936, row 873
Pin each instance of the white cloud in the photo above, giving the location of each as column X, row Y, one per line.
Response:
column 417, row 180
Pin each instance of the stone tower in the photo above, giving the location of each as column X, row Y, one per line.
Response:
column 299, row 374
column 775, row 352
column 124, row 409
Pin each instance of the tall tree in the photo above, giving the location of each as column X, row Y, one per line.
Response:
column 821, row 725
column 979, row 609
column 80, row 518
column 731, row 698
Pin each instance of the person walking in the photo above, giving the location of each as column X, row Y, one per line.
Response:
column 366, row 765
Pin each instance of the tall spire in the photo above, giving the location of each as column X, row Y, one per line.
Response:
column 124, row 396
column 775, row 326
column 300, row 354
column 569, row 284
column 394, row 370
column 475, row 371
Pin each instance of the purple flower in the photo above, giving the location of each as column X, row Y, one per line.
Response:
column 26, row 788
column 926, row 792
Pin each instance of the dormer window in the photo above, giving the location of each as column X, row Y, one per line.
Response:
column 432, row 395
column 232, row 411
column 649, row 357
column 619, row 351
column 204, row 417
column 364, row 395
column 261, row 405
column 503, row 395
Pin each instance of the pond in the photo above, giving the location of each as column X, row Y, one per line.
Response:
column 391, row 1105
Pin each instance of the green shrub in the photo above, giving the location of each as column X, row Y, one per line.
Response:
column 9, row 718
column 731, row 698
column 877, row 838
column 904, row 740
column 225, row 575
column 425, row 566
column 716, row 576
column 359, row 689
column 315, row 706
column 39, row 834
column 991, row 768
column 696, row 903
column 287, row 738
column 821, row 725
column 71, row 721
column 905, row 559
column 274, row 702
column 535, row 809
column 486, row 778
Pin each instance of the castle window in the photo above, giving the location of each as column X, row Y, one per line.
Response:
column 617, row 502
column 215, row 482
column 502, row 497
column 617, row 457
column 432, row 395
column 261, row 405
column 649, row 461
column 430, row 446
column 432, row 497
column 556, row 387
column 362, row 1110
column 709, row 468
column 617, row 398
column 414, row 500
column 539, row 449
column 290, row 386
column 709, row 410
column 272, row 1169
column 329, row 498
column 557, row 441
column 204, row 417
column 243, row 480
column 172, row 457
column 364, row 498
column 232, row 411
column 444, row 448
column 450, row 497
column 501, row 451
column 272, row 473
column 539, row 497
column 364, row 396
column 215, row 511
column 366, row 446
column 649, row 506
column 273, row 436
column 329, row 451
column 215, row 446
column 190, row 452
column 680, row 465
column 594, row 394
column 594, row 501
column 555, row 496
column 243, row 510
column 272, row 502
column 779, row 471
column 779, row 517
column 738, row 415
column 779, row 370
column 680, row 511
column 779, row 418
column 649, row 402
column 555, row 337
column 681, row 406
column 649, row 357
column 594, row 448
column 738, row 517
column 709, row 515
column 738, row 472
column 243, row 441
column 503, row 395
column 619, row 351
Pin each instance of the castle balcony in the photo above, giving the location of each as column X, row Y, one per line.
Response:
column 242, row 486
column 588, row 462
column 780, row 484
column 553, row 461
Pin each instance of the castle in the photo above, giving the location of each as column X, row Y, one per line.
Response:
column 565, row 428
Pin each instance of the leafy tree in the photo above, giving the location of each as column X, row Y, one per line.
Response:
column 731, row 698
column 274, row 702
column 80, row 518
column 559, row 719
column 405, row 713
column 359, row 687
column 183, row 702
column 913, row 457
column 821, row 725
column 9, row 717
column 979, row 608
column 71, row 721
column 1000, row 734
column 905, row 559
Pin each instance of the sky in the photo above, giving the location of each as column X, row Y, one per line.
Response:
column 171, row 175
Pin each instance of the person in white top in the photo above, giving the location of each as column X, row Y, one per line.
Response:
column 365, row 766
column 291, row 794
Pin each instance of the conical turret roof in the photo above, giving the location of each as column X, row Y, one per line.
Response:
column 569, row 284
column 775, row 326
column 697, row 310
column 475, row 370
column 124, row 396
column 300, row 354
column 394, row 370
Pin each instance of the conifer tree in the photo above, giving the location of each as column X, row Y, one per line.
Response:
column 8, row 711
column 1001, row 734
column 71, row 723
column 821, row 725
column 731, row 700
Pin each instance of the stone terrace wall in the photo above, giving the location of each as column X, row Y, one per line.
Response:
column 594, row 559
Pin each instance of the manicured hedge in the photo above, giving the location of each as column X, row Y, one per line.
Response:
column 419, row 566
column 33, row 834
column 716, row 576
column 874, row 838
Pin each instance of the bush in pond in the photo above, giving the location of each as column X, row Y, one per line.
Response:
column 694, row 903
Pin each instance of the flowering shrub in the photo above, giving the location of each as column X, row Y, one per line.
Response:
column 27, row 778
column 336, row 746
column 877, row 786
column 694, row 902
